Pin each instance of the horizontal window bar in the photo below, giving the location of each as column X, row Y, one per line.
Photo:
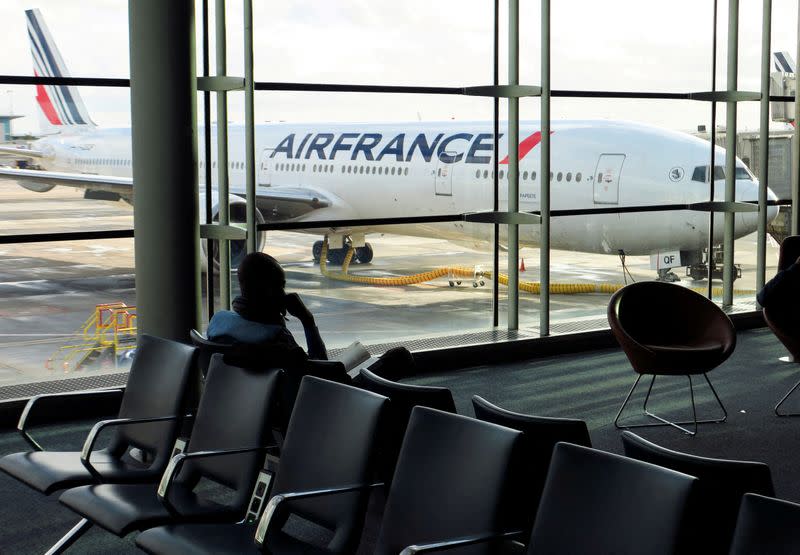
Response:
column 320, row 224
column 67, row 236
column 77, row 81
column 392, row 89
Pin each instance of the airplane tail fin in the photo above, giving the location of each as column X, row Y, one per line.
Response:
column 60, row 106
column 783, row 62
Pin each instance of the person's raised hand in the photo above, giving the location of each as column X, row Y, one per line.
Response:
column 295, row 307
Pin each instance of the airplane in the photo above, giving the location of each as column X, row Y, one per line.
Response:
column 334, row 171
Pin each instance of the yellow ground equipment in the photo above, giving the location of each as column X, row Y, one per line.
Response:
column 103, row 340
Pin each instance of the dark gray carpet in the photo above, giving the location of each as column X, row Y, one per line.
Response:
column 590, row 386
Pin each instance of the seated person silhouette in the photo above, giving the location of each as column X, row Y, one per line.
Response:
column 259, row 314
column 783, row 289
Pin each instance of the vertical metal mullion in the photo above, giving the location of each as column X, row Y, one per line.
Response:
column 495, row 181
column 712, row 162
column 207, row 152
column 730, row 152
column 222, row 159
column 796, row 146
column 544, row 206
column 763, row 144
column 513, row 165
column 249, row 118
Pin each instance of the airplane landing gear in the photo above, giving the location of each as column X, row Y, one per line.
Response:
column 363, row 255
column 666, row 274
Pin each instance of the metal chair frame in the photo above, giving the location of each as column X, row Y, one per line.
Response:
column 665, row 422
column 778, row 406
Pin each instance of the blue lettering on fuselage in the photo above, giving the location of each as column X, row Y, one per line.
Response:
column 477, row 151
column 395, row 147
column 318, row 143
column 477, row 145
column 447, row 157
column 341, row 145
column 365, row 144
column 421, row 143
column 286, row 146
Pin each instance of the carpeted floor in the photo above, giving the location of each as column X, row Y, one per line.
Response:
column 590, row 386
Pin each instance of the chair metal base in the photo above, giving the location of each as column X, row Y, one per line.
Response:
column 70, row 537
column 778, row 406
column 665, row 422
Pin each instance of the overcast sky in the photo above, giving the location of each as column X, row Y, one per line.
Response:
column 629, row 45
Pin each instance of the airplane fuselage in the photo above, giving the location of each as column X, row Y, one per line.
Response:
column 421, row 169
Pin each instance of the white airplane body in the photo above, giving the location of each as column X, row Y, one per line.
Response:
column 334, row 171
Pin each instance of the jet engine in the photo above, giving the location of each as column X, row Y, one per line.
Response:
column 238, row 217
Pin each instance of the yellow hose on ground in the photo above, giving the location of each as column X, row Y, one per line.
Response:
column 464, row 272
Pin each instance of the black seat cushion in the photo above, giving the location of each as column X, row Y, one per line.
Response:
column 123, row 508
column 198, row 539
column 48, row 471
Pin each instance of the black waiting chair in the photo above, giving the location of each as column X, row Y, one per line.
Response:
column 329, row 446
column 539, row 436
column 714, row 505
column 207, row 348
column 766, row 526
column 783, row 318
column 597, row 502
column 227, row 446
column 404, row 397
column 292, row 359
column 149, row 418
column 669, row 330
column 395, row 364
column 450, row 484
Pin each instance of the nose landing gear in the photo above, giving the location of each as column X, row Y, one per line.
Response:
column 363, row 255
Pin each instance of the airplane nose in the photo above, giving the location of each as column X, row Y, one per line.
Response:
column 772, row 211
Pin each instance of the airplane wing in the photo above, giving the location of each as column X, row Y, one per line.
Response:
column 285, row 203
column 24, row 152
column 41, row 181
column 275, row 203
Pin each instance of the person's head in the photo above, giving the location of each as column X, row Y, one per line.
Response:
column 261, row 279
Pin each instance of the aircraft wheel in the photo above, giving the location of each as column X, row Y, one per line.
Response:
column 451, row 283
column 316, row 251
column 336, row 256
column 364, row 254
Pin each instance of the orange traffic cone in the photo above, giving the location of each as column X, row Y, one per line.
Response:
column 522, row 265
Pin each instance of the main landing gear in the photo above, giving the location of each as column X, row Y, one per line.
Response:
column 363, row 255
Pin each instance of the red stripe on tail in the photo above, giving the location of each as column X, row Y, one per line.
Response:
column 46, row 105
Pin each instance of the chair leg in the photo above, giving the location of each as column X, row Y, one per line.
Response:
column 70, row 537
column 665, row 422
column 778, row 406
column 628, row 398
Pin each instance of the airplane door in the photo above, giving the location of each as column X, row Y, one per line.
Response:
column 444, row 177
column 265, row 168
column 606, row 178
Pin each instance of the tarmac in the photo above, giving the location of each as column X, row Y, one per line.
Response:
column 48, row 291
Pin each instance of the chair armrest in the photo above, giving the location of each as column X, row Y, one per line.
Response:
column 26, row 412
column 447, row 545
column 88, row 445
column 177, row 462
column 276, row 500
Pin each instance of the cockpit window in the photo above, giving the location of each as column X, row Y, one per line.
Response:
column 700, row 173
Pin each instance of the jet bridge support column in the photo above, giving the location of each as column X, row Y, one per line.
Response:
column 164, row 138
